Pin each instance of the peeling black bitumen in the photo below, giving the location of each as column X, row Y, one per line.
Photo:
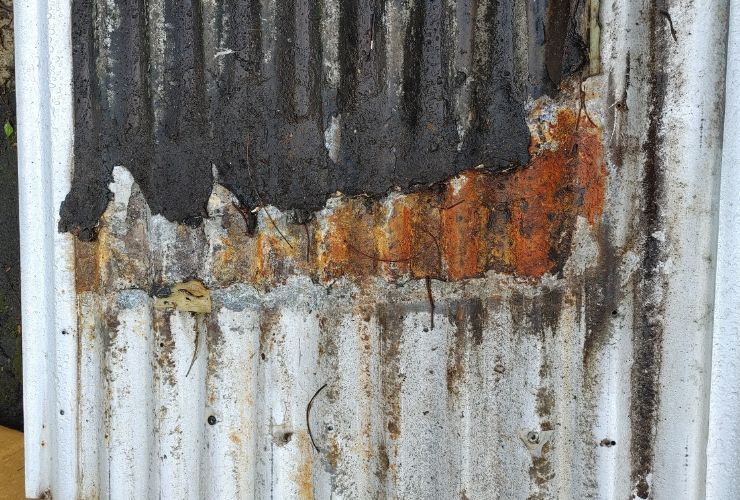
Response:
column 170, row 94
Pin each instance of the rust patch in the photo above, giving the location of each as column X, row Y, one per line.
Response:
column 87, row 271
column 518, row 222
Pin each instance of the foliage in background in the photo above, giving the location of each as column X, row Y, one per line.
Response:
column 11, row 404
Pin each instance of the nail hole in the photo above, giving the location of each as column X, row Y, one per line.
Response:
column 212, row 420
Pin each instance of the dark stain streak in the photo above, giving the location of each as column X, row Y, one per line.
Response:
column 169, row 120
column 390, row 320
column 468, row 318
column 600, row 298
column 430, row 297
column 648, row 329
column 250, row 219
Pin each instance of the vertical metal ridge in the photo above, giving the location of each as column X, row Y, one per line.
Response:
column 43, row 64
column 723, row 433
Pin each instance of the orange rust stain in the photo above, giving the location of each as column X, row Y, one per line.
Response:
column 87, row 269
column 259, row 261
column 519, row 222
column 462, row 228
column 546, row 197
column 540, row 204
column 304, row 477
column 396, row 239
column 591, row 174
column 349, row 245
column 235, row 438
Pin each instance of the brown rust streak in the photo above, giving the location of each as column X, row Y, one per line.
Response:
column 87, row 271
column 304, row 477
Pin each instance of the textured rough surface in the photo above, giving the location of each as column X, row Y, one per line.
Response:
column 11, row 407
column 541, row 331
column 297, row 99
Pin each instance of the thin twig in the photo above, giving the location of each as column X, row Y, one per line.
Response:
column 582, row 105
column 670, row 23
column 308, row 416
column 195, row 350
column 431, row 300
column 262, row 203
column 308, row 243
column 380, row 259
column 448, row 207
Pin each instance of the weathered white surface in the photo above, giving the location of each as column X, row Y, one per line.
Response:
column 723, row 449
column 43, row 82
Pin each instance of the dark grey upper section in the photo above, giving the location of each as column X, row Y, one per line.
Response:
column 293, row 100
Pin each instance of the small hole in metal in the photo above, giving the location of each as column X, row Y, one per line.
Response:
column 212, row 420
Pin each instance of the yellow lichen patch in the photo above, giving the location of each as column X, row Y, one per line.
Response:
column 191, row 296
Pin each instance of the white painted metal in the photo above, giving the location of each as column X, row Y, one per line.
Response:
column 43, row 83
column 723, row 447
column 691, row 153
column 111, row 409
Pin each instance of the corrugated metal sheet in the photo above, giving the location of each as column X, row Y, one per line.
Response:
column 544, row 332
column 363, row 96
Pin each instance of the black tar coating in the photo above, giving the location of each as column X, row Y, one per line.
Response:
column 260, row 109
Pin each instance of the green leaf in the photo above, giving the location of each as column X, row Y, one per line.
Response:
column 9, row 130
